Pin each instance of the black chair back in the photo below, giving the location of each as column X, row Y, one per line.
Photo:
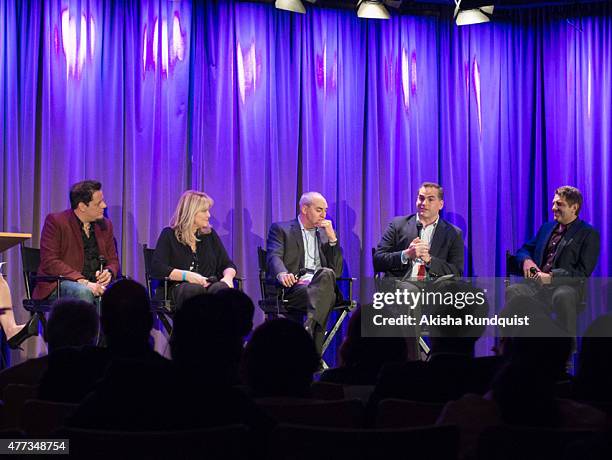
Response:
column 513, row 268
column 163, row 309
column 224, row 442
column 261, row 263
column 147, row 254
column 509, row 442
column 30, row 260
column 272, row 301
column 297, row 442
column 262, row 254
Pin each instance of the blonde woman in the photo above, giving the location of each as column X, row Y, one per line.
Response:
column 190, row 253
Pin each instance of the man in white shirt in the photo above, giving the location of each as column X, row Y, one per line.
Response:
column 423, row 243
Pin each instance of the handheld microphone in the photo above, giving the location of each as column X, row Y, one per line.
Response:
column 300, row 273
column 419, row 227
column 533, row 270
column 102, row 261
column 212, row 279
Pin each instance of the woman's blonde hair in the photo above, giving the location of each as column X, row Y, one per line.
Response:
column 190, row 203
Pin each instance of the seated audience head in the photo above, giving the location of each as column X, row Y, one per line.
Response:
column 594, row 377
column 280, row 360
column 524, row 387
column 191, row 216
column 455, row 299
column 126, row 316
column 207, row 338
column 370, row 352
column 87, row 200
column 72, row 323
column 242, row 308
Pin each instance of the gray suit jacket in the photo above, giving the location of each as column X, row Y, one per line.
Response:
column 446, row 248
column 285, row 248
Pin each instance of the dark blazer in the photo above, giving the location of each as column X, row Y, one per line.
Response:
column 446, row 248
column 170, row 254
column 285, row 248
column 62, row 252
column 577, row 253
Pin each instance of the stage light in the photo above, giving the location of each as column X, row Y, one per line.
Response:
column 290, row 5
column 372, row 9
column 466, row 14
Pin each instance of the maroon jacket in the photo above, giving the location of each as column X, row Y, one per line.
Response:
column 62, row 252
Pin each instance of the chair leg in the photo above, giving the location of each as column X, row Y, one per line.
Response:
column 165, row 323
column 423, row 346
column 329, row 336
column 43, row 325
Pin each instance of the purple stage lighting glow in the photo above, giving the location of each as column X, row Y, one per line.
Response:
column 76, row 50
column 405, row 78
column 477, row 91
column 326, row 73
column 172, row 51
column 249, row 70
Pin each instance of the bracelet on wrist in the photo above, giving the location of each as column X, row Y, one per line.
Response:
column 184, row 277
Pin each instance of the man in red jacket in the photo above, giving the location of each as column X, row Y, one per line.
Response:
column 78, row 244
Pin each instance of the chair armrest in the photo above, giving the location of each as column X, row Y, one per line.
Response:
column 348, row 280
column 348, row 302
column 49, row 278
column 165, row 278
column 165, row 281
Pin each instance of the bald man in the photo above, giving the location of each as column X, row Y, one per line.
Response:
column 304, row 258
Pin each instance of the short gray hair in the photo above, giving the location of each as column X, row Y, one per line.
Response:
column 308, row 197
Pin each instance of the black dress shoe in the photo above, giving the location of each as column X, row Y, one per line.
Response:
column 29, row 330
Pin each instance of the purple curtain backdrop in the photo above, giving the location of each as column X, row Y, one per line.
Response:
column 255, row 105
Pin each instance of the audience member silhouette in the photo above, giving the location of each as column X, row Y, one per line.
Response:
column 207, row 339
column 593, row 380
column 242, row 308
column 280, row 360
column 451, row 369
column 361, row 358
column 71, row 323
column 524, row 389
column 206, row 348
column 523, row 393
column 126, row 322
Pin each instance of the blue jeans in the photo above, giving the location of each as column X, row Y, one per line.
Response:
column 76, row 290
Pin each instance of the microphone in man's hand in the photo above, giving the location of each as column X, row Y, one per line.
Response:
column 212, row 279
column 533, row 270
column 419, row 227
column 102, row 261
column 300, row 273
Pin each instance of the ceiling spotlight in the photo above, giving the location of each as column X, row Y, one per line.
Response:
column 467, row 12
column 290, row 5
column 372, row 9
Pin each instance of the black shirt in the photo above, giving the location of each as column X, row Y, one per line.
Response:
column 91, row 263
column 209, row 259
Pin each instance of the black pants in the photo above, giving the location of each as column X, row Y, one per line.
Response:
column 560, row 301
column 316, row 300
column 185, row 291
